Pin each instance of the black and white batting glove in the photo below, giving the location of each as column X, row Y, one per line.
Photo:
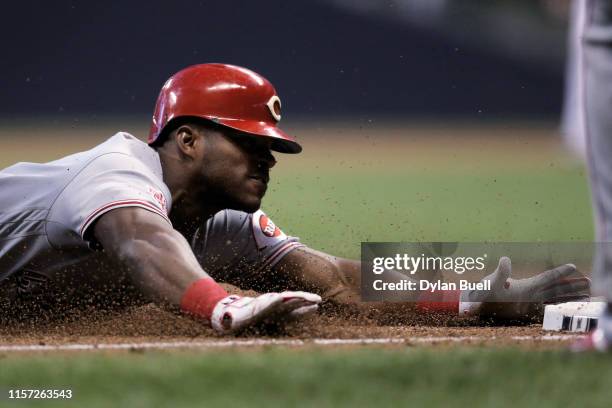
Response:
column 234, row 313
column 523, row 299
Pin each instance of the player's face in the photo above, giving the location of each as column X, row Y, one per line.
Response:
column 236, row 169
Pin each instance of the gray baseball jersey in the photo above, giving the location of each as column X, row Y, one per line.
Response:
column 236, row 247
column 46, row 211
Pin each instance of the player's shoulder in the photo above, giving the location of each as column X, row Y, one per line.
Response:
column 124, row 149
column 125, row 143
column 120, row 144
column 121, row 162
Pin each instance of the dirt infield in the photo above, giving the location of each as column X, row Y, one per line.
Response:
column 134, row 324
column 148, row 326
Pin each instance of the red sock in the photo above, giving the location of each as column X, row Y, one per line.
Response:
column 201, row 297
column 446, row 301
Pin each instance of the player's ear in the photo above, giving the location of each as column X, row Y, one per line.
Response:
column 187, row 139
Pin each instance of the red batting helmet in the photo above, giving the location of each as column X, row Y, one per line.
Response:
column 225, row 94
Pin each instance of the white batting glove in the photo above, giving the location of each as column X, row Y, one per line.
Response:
column 235, row 313
column 524, row 298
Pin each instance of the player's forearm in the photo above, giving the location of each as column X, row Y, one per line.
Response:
column 162, row 266
column 158, row 259
column 338, row 281
column 342, row 292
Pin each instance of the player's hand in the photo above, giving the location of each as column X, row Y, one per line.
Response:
column 235, row 313
column 521, row 299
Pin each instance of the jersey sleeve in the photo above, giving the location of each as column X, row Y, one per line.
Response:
column 233, row 243
column 111, row 181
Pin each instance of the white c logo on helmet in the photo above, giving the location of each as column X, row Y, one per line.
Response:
column 274, row 105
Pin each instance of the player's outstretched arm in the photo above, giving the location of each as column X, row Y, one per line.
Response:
column 162, row 264
column 338, row 281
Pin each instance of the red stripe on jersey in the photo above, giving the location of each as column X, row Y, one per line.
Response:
column 118, row 204
column 280, row 252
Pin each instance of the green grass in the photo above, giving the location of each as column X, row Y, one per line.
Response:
column 336, row 211
column 352, row 378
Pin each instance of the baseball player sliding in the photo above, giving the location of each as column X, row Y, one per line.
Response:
column 182, row 212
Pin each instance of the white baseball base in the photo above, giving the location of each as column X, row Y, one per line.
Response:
column 572, row 316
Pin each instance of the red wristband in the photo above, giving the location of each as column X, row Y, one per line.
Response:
column 201, row 297
column 446, row 301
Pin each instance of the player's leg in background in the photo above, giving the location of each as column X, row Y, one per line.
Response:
column 572, row 116
column 597, row 48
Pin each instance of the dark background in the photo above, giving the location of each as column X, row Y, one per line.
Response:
column 326, row 59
